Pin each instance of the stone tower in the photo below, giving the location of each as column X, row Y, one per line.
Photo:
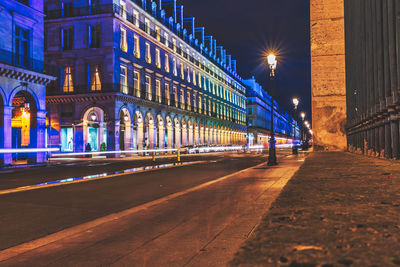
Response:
column 328, row 81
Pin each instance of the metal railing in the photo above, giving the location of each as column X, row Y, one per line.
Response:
column 28, row 63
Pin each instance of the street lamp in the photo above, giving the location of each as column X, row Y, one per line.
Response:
column 295, row 103
column 272, row 67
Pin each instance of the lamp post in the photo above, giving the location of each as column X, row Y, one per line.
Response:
column 302, row 115
column 272, row 153
column 296, row 102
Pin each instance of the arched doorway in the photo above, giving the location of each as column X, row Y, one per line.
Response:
column 125, row 134
column 94, row 130
column 138, row 130
column 160, row 134
column 191, row 132
column 148, row 129
column 177, row 127
column 24, row 125
column 169, row 133
column 184, row 133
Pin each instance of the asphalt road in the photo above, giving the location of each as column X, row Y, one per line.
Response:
column 61, row 169
column 37, row 213
column 202, row 225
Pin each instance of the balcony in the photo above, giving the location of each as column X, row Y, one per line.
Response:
column 27, row 63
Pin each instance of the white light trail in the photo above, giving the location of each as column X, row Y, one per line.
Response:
column 27, row 150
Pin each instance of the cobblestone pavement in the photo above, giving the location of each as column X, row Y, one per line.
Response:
column 340, row 209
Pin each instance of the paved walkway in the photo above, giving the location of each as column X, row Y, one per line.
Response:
column 340, row 209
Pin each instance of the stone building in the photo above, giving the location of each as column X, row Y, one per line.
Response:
column 138, row 74
column 372, row 77
column 328, row 78
column 258, row 105
column 22, row 80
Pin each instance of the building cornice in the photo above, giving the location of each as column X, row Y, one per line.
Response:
column 25, row 75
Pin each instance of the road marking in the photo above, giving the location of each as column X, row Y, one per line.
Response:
column 34, row 244
column 95, row 177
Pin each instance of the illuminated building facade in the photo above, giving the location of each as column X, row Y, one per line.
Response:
column 259, row 118
column 137, row 74
column 22, row 80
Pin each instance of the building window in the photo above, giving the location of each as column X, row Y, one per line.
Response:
column 182, row 99
column 148, row 88
column 166, row 38
column 167, row 96
column 148, row 54
column 200, row 104
column 136, row 46
column 136, row 18
column 22, row 47
column 67, row 81
column 182, row 71
column 67, row 38
column 194, row 77
column 175, row 67
column 166, row 62
column 174, row 44
column 95, row 82
column 158, row 33
column 158, row 91
column 188, row 74
column 67, row 9
column 94, row 36
column 158, row 58
column 189, row 104
column 176, row 96
column 200, row 81
column 136, row 83
column 124, row 43
column 123, row 9
column 123, row 79
column 147, row 25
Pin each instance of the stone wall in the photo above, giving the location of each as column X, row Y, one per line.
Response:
column 328, row 81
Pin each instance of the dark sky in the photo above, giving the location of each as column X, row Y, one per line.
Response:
column 247, row 28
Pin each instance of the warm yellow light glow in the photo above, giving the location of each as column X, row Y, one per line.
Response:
column 295, row 101
column 271, row 59
column 303, row 115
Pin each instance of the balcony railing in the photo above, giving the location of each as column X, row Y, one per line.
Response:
column 27, row 63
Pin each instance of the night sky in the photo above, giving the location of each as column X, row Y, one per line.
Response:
column 247, row 28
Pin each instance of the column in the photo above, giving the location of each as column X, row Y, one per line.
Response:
column 7, row 135
column 177, row 136
column 139, row 136
column 170, row 137
column 40, row 131
column 161, row 136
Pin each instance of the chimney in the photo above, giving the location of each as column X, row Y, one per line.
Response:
column 209, row 43
column 234, row 62
column 170, row 8
column 179, row 14
column 189, row 25
column 228, row 61
column 199, row 34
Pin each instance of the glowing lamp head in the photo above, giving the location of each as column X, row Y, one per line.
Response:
column 303, row 115
column 295, row 101
column 93, row 117
column 126, row 118
column 271, row 59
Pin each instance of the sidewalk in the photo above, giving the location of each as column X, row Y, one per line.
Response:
column 340, row 209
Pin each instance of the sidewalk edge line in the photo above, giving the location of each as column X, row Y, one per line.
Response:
column 42, row 241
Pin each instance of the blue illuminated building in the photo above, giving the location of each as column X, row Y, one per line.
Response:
column 259, row 117
column 138, row 74
column 22, row 81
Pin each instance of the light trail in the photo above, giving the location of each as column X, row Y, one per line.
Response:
column 27, row 150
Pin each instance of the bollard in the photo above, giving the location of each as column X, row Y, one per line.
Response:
column 179, row 155
column 154, row 156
